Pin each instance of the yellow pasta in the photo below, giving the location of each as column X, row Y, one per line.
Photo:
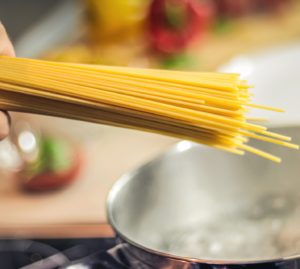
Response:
column 208, row 108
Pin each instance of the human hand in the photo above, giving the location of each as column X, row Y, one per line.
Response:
column 7, row 49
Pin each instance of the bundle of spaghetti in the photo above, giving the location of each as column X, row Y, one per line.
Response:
column 208, row 108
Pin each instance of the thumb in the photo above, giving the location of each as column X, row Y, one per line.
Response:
column 6, row 48
column 4, row 124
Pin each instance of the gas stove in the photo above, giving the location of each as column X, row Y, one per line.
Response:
column 90, row 253
column 83, row 253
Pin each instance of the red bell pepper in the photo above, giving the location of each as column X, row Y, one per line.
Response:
column 175, row 23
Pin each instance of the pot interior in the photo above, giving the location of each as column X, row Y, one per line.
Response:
column 202, row 203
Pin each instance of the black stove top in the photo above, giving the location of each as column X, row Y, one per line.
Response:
column 92, row 253
column 88, row 253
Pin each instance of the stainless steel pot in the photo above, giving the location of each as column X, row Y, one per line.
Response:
column 195, row 207
column 199, row 208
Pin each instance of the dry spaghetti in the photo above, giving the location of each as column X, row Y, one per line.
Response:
column 208, row 108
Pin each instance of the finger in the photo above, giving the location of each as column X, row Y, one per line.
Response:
column 6, row 47
column 4, row 125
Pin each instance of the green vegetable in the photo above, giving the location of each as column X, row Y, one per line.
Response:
column 178, row 61
column 54, row 156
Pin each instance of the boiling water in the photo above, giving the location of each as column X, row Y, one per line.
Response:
column 270, row 229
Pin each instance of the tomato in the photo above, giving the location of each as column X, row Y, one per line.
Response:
column 49, row 180
column 56, row 165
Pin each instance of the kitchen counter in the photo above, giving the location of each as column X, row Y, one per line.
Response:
column 109, row 152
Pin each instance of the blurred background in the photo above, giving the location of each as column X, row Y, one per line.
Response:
column 55, row 173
